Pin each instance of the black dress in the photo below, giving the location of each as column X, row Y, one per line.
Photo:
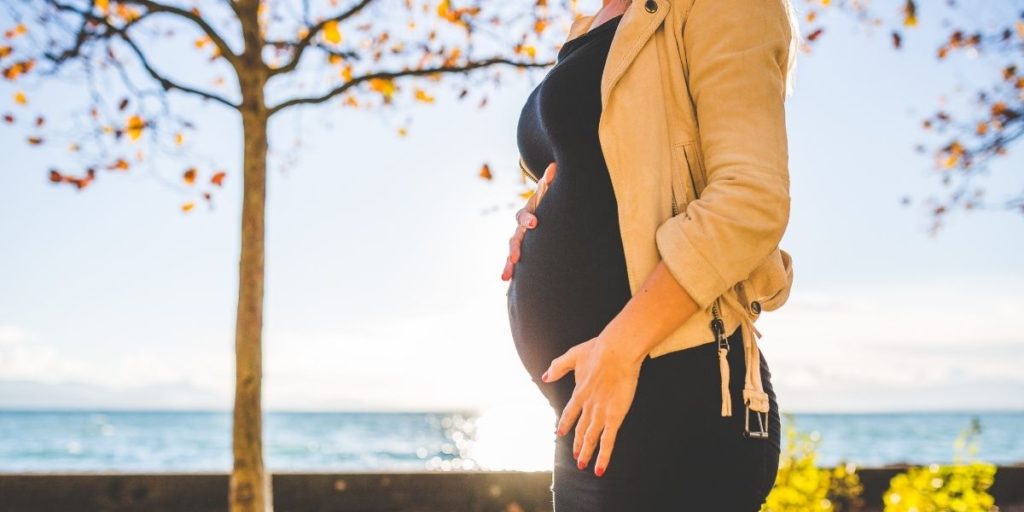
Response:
column 673, row 451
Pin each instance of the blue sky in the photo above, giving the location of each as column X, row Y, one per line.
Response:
column 383, row 288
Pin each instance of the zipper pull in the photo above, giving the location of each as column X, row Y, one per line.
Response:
column 718, row 327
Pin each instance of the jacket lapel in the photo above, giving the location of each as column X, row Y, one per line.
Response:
column 635, row 28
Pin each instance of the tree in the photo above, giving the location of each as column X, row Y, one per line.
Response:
column 371, row 47
column 970, row 140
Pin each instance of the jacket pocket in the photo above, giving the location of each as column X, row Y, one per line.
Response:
column 697, row 176
column 675, row 182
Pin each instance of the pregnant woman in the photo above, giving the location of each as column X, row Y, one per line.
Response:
column 635, row 276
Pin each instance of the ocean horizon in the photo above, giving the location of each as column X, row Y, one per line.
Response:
column 68, row 440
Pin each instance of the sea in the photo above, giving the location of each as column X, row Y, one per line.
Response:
column 200, row 441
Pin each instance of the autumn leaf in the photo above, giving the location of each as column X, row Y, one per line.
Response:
column 126, row 13
column 18, row 30
column 813, row 36
column 218, row 178
column 402, row 131
column 5, row 51
column 526, row 193
column 35, row 141
column 485, row 172
column 19, row 98
column 190, row 176
column 120, row 165
column 332, row 34
column 527, row 49
column 8, row 118
column 134, row 127
column 385, row 86
column 179, row 138
column 422, row 95
column 187, row 207
column 909, row 13
column 18, row 68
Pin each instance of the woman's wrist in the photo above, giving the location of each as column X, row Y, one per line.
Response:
column 659, row 307
column 621, row 346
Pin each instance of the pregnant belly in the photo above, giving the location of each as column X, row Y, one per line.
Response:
column 570, row 281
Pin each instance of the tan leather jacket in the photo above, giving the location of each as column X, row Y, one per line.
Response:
column 693, row 97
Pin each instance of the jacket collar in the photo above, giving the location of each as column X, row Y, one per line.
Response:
column 636, row 27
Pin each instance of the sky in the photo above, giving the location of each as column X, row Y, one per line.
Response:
column 384, row 255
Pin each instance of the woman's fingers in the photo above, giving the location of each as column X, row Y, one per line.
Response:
column 525, row 219
column 549, row 173
column 561, row 365
column 514, row 243
column 569, row 414
column 506, row 273
column 611, row 429
column 579, row 440
column 591, row 430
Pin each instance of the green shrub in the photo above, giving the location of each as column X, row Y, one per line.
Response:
column 958, row 487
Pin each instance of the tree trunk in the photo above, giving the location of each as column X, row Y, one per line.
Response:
column 250, row 489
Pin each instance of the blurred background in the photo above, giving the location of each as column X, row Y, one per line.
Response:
column 389, row 208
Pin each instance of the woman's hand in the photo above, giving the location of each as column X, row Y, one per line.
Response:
column 606, row 380
column 526, row 220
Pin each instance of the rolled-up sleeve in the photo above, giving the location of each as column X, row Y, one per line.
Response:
column 737, row 52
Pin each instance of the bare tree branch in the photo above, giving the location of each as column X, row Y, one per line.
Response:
column 121, row 33
column 195, row 18
column 398, row 74
column 300, row 47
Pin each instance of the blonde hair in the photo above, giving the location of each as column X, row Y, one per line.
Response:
column 794, row 45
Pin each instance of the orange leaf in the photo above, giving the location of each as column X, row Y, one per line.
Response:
column 385, row 86
column 331, row 32
column 179, row 138
column 485, row 172
column 187, row 207
column 18, row 30
column 190, row 176
column 35, row 141
column 422, row 95
column 218, row 178
column 120, row 165
column 134, row 127
column 19, row 98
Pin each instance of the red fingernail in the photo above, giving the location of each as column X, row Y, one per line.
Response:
column 575, row 453
column 599, row 471
column 580, row 464
column 531, row 223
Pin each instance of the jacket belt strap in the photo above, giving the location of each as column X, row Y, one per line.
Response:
column 753, row 391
